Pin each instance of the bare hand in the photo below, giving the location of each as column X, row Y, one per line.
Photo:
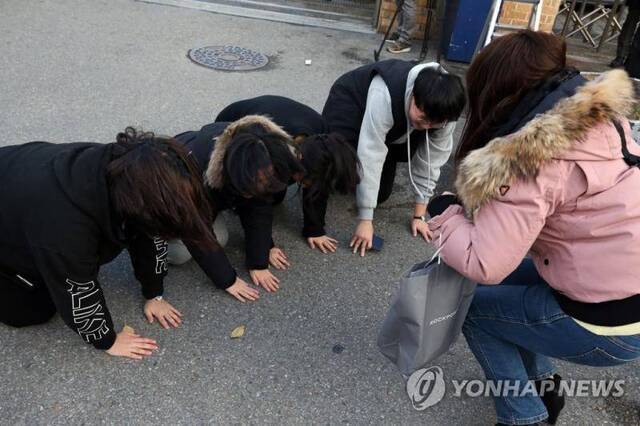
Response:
column 131, row 345
column 323, row 243
column 242, row 291
column 362, row 239
column 278, row 259
column 162, row 310
column 419, row 226
column 265, row 279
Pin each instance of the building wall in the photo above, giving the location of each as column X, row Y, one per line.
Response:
column 513, row 13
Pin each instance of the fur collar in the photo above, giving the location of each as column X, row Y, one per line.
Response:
column 214, row 173
column 521, row 154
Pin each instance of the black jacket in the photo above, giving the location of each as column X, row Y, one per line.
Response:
column 57, row 228
column 296, row 119
column 256, row 216
column 345, row 106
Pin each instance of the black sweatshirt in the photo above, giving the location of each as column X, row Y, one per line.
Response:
column 57, row 228
column 256, row 216
column 296, row 119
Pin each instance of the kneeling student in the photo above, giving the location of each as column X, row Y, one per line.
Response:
column 70, row 208
column 331, row 164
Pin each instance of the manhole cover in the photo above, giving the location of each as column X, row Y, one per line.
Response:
column 228, row 58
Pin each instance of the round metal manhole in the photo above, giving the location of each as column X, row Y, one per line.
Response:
column 228, row 58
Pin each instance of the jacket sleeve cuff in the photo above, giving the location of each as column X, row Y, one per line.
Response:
column 257, row 266
column 226, row 282
column 313, row 232
column 106, row 342
column 439, row 204
column 365, row 213
column 451, row 211
column 151, row 290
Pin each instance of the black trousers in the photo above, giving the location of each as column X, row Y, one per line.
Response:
column 397, row 154
column 628, row 30
column 21, row 306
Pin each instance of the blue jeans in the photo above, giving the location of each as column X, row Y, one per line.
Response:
column 512, row 328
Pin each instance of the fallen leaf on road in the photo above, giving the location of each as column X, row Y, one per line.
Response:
column 238, row 332
column 128, row 329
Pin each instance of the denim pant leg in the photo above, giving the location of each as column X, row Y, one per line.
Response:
column 406, row 19
column 537, row 365
column 512, row 328
column 399, row 18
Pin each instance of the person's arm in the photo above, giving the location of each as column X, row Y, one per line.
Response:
column 372, row 150
column 214, row 263
column 149, row 260
column 216, row 266
column 314, row 211
column 491, row 246
column 75, row 290
column 256, row 217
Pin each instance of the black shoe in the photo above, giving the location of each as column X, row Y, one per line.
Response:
column 552, row 400
column 617, row 63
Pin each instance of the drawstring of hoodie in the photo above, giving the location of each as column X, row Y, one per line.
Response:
column 426, row 138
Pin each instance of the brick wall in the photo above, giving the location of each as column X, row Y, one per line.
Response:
column 512, row 14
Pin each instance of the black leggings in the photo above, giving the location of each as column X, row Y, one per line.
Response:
column 21, row 306
column 628, row 30
column 397, row 154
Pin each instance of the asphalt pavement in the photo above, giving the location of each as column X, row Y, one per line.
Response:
column 74, row 70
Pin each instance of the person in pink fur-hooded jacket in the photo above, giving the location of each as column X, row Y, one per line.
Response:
column 547, row 206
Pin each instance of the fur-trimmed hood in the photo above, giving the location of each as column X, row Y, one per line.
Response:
column 550, row 135
column 214, row 173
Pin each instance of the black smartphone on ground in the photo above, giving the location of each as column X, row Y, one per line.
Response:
column 377, row 243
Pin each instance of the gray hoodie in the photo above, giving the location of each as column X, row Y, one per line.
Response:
column 424, row 167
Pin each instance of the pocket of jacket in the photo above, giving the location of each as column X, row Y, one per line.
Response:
column 18, row 280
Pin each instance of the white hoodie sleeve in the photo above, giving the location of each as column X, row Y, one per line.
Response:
column 372, row 150
column 430, row 156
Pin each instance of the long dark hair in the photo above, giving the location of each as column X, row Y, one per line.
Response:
column 155, row 187
column 331, row 164
column 259, row 162
column 501, row 75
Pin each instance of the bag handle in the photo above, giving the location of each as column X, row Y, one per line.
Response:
column 437, row 252
column 629, row 158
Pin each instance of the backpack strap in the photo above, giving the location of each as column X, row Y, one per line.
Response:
column 629, row 158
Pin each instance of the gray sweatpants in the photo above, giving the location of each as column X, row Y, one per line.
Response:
column 406, row 19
